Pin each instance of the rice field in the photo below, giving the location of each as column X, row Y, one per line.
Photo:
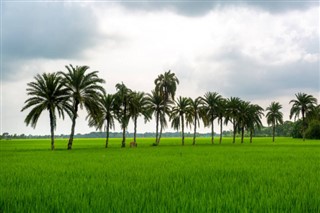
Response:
column 259, row 177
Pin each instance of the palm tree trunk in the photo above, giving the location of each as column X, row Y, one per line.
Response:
column 273, row 132
column 303, row 126
column 195, row 131
column 107, row 135
column 76, row 104
column 251, row 133
column 157, row 128
column 160, row 134
column 52, row 128
column 124, row 124
column 212, row 132
column 135, row 130
column 182, row 128
column 242, row 134
column 220, row 131
column 234, row 132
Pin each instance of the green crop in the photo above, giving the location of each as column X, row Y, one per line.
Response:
column 259, row 177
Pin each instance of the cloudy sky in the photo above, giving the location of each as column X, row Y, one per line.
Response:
column 260, row 51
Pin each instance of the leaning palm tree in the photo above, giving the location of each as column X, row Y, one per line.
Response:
column 166, row 86
column 138, row 107
column 193, row 116
column 232, row 113
column 84, row 89
column 211, row 100
column 47, row 93
column 178, row 113
column 255, row 113
column 106, row 117
column 274, row 116
column 122, row 100
column 302, row 105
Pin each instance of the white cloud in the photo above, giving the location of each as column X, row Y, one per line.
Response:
column 234, row 50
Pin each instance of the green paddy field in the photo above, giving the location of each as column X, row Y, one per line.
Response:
column 261, row 177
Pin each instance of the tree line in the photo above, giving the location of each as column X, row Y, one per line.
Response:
column 64, row 92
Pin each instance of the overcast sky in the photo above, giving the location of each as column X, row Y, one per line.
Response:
column 260, row 51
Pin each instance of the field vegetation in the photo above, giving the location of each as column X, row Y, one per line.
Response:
column 230, row 177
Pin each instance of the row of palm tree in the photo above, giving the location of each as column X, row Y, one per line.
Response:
column 66, row 92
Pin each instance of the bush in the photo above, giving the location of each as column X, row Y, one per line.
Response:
column 313, row 131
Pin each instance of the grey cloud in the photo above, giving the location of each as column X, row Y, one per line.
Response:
column 46, row 31
column 196, row 8
column 246, row 78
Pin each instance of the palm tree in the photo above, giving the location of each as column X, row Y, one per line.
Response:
column 232, row 112
column 178, row 114
column 138, row 106
column 107, row 116
column 84, row 89
column 122, row 101
column 193, row 116
column 211, row 100
column 302, row 105
column 255, row 113
column 274, row 116
column 47, row 93
column 156, row 104
column 166, row 86
column 221, row 111
column 243, row 115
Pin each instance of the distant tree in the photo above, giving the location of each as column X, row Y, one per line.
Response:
column 274, row 116
column 303, row 104
column 106, row 116
column 122, row 102
column 211, row 101
column 232, row 113
column 178, row 113
column 138, row 107
column 166, row 86
column 84, row 89
column 47, row 93
column 194, row 115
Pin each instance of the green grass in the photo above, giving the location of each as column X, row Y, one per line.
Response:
column 259, row 177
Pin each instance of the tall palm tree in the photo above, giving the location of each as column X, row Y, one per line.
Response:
column 274, row 116
column 221, row 111
column 166, row 86
column 193, row 116
column 47, row 93
column 255, row 113
column 243, row 115
column 232, row 112
column 211, row 100
column 122, row 100
column 84, row 89
column 138, row 107
column 302, row 105
column 157, row 107
column 107, row 116
column 178, row 113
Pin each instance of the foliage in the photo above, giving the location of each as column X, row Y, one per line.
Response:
column 313, row 130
